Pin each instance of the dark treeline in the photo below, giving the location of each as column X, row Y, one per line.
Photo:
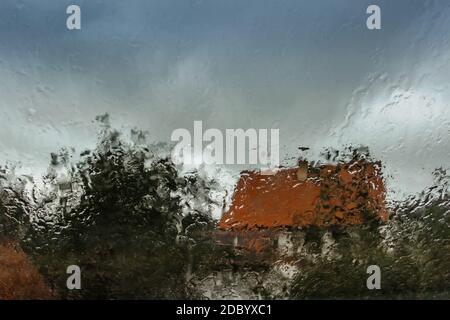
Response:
column 123, row 215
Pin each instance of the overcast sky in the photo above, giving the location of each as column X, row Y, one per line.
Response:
column 310, row 68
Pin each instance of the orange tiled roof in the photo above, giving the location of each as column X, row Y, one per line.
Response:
column 298, row 197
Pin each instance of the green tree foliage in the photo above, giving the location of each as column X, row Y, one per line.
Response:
column 412, row 250
column 121, row 218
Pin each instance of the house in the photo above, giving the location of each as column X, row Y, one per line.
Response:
column 263, row 207
column 340, row 194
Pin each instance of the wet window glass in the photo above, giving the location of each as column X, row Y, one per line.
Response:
column 224, row 149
